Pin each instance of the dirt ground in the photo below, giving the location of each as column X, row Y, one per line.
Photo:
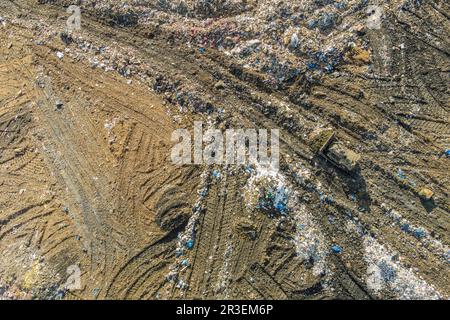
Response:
column 86, row 179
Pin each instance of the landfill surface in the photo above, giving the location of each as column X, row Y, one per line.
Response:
column 91, row 207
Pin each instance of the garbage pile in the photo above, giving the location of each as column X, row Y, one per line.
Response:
column 281, row 40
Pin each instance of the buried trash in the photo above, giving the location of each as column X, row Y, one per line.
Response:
column 66, row 38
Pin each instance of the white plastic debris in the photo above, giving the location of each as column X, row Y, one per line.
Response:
column 294, row 40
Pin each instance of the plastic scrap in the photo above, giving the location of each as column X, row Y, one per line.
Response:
column 189, row 244
column 294, row 41
column 336, row 249
column 419, row 233
column 327, row 199
column 249, row 169
column 447, row 152
column 405, row 227
column 185, row 262
column 216, row 174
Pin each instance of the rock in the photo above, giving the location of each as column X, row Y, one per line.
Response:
column 360, row 55
column 59, row 104
column 66, row 38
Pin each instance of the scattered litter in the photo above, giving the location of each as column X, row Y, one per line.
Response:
column 60, row 55
column 294, row 41
column 309, row 241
